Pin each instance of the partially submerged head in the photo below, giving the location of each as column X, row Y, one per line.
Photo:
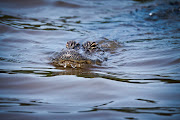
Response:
column 72, row 57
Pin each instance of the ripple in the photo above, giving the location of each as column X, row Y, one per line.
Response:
column 66, row 4
column 149, row 101
column 162, row 111
column 10, row 102
column 21, row 22
column 139, row 78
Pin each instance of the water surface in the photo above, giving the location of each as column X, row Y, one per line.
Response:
column 139, row 80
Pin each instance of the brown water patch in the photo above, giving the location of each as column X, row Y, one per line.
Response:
column 66, row 4
column 22, row 4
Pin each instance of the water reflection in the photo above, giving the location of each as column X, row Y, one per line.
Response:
column 10, row 102
column 149, row 101
column 88, row 73
column 20, row 22
column 162, row 111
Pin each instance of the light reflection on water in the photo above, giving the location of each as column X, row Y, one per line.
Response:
column 139, row 80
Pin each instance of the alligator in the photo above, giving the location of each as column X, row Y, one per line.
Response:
column 77, row 56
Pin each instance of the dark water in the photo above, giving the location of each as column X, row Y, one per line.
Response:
column 139, row 81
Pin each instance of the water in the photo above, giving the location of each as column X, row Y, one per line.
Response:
column 139, row 81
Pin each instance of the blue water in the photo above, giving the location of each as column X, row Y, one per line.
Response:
column 139, row 80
